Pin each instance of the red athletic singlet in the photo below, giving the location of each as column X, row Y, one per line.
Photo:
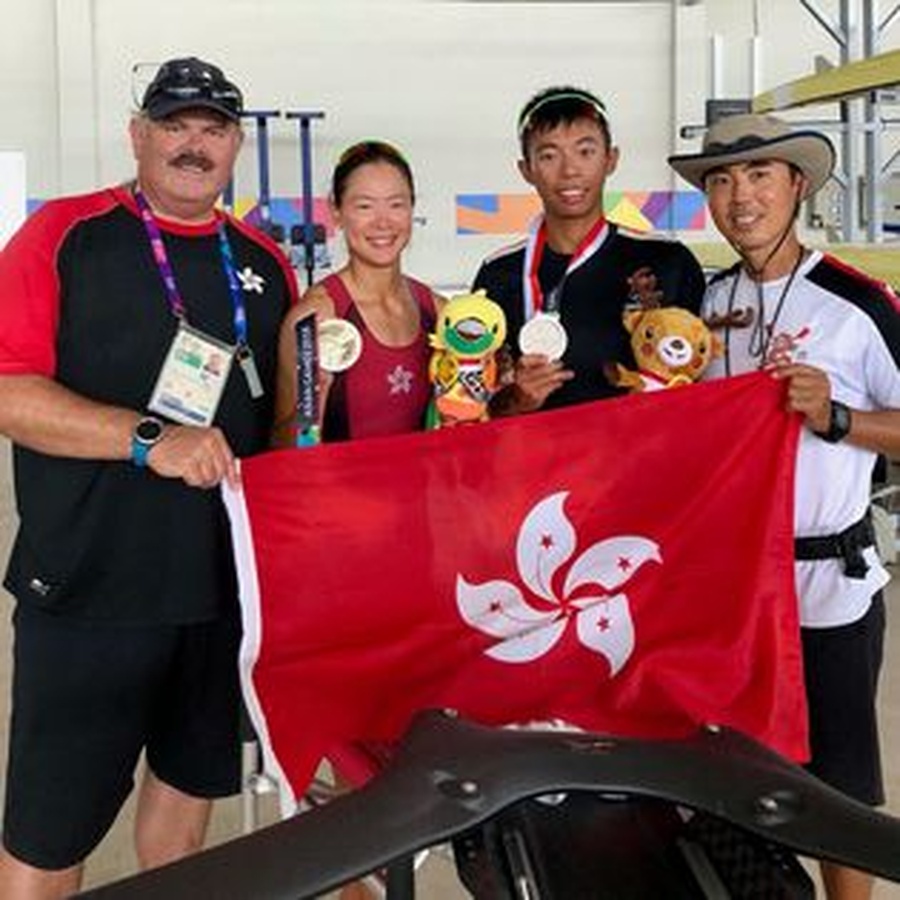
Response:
column 387, row 390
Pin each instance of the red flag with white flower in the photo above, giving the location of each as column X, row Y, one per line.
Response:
column 625, row 566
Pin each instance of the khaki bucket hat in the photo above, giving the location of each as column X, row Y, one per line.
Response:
column 748, row 137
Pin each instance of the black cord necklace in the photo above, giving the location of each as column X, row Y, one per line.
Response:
column 761, row 335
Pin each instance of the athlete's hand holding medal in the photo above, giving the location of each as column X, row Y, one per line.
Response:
column 540, row 371
column 324, row 349
column 536, row 377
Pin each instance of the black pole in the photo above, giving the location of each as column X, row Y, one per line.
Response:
column 261, row 117
column 309, row 234
column 401, row 879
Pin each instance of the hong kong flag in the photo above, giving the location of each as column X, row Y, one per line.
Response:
column 625, row 566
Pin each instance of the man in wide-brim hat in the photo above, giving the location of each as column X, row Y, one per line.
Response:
column 833, row 335
column 746, row 138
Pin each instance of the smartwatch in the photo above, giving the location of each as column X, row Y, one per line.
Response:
column 147, row 434
column 840, row 423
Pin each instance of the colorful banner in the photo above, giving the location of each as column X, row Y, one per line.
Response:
column 636, row 210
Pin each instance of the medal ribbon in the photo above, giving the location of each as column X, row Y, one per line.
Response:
column 307, row 382
column 173, row 295
column 532, row 295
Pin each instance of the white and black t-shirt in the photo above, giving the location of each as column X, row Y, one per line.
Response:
column 837, row 319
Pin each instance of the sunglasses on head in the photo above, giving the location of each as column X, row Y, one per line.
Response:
column 190, row 80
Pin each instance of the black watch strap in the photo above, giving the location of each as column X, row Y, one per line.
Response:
column 839, row 427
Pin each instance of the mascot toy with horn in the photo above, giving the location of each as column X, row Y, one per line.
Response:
column 671, row 345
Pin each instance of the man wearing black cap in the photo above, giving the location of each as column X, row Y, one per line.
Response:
column 564, row 289
column 833, row 335
column 116, row 305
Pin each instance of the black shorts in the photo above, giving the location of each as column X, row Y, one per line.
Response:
column 841, row 667
column 88, row 697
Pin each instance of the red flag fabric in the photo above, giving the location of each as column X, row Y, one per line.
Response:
column 625, row 566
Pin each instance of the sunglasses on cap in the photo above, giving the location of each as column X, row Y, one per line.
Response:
column 191, row 83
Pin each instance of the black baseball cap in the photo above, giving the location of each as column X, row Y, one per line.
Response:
column 191, row 83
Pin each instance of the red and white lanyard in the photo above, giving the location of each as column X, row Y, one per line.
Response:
column 532, row 294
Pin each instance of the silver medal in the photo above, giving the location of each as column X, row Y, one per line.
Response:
column 544, row 334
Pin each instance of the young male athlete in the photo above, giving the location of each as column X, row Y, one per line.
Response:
column 564, row 289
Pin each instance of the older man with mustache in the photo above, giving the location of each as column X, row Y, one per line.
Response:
column 115, row 306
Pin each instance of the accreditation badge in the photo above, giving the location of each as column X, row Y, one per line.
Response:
column 544, row 334
column 192, row 379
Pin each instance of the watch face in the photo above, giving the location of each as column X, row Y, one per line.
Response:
column 148, row 431
column 840, row 423
column 840, row 419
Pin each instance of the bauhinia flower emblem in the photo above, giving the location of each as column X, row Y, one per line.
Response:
column 590, row 600
column 250, row 281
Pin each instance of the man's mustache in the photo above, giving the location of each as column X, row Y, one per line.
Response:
column 193, row 160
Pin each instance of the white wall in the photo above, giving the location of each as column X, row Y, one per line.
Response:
column 444, row 80
column 12, row 193
column 28, row 83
